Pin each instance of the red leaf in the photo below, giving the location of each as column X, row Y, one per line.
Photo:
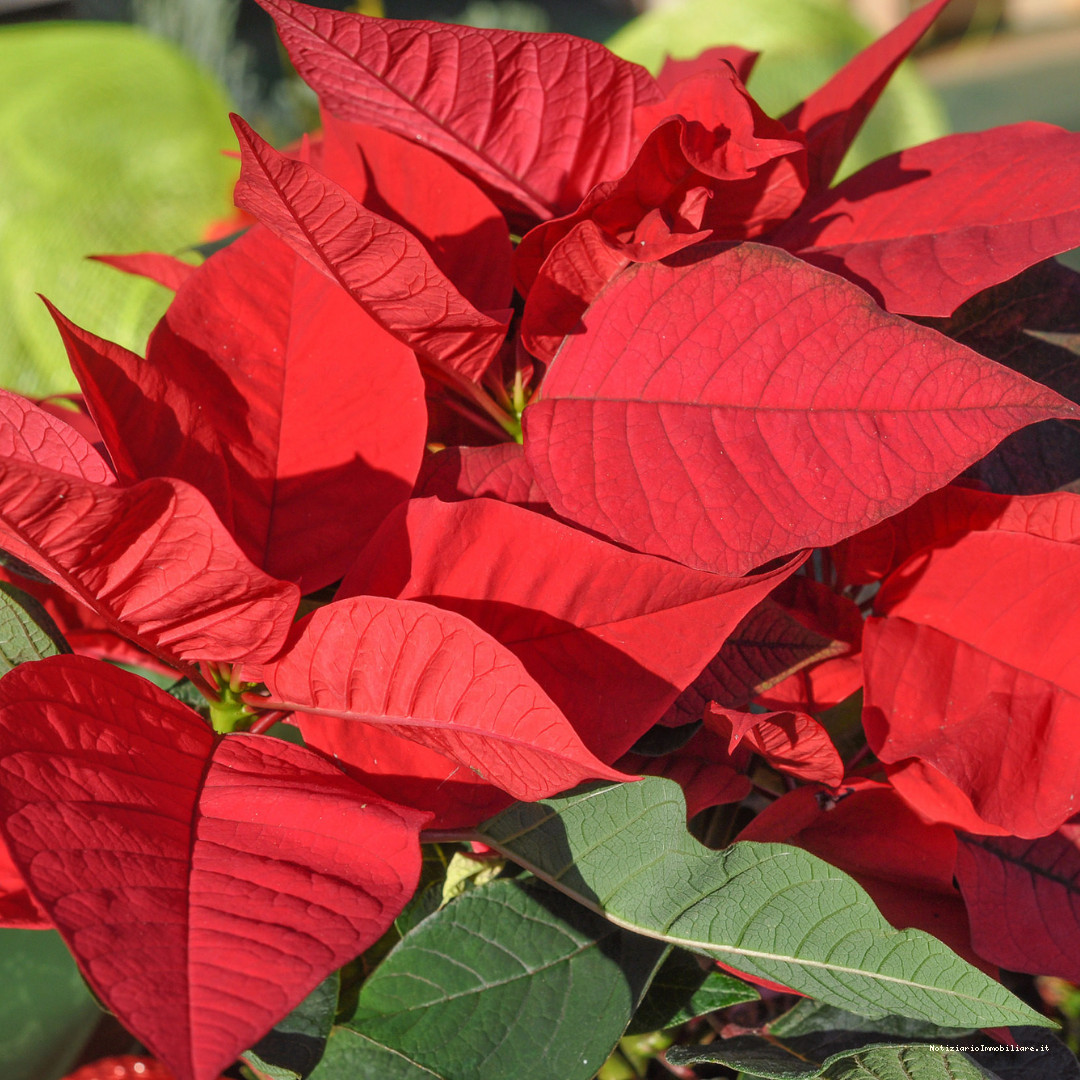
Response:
column 834, row 678
column 404, row 182
column 927, row 228
column 905, row 865
column 791, row 742
column 674, row 71
column 613, row 636
column 707, row 773
column 953, row 511
column 232, row 399
column 766, row 647
column 573, row 273
column 434, row 678
column 166, row 270
column 382, row 266
column 700, row 413
column 833, row 115
column 405, row 771
column 935, row 798
column 152, row 560
column 204, row 884
column 537, row 122
column 1023, row 900
column 710, row 162
column 1030, row 323
column 18, row 909
column 975, row 673
column 32, row 434
column 465, row 472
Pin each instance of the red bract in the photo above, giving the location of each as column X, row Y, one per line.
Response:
column 1021, row 899
column 974, row 673
column 537, row 121
column 435, row 678
column 679, row 415
column 699, row 413
column 184, row 869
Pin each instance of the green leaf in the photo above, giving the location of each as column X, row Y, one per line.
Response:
column 294, row 1045
column 509, row 980
column 186, row 691
column 802, row 42
column 809, row 1016
column 805, row 1059
column 772, row 911
column 903, row 1063
column 682, row 990
column 27, row 630
column 46, row 1012
column 112, row 143
column 352, row 1056
column 467, row 872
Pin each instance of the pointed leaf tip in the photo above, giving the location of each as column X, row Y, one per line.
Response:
column 434, row 678
column 204, row 884
column 697, row 415
column 382, row 265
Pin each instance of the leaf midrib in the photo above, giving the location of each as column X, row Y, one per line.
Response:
column 515, row 181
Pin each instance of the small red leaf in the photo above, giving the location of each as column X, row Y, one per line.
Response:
column 698, row 412
column 927, row 228
column 536, row 121
column 766, row 647
column 405, row 182
column 30, row 433
column 385, row 269
column 152, row 560
column 166, row 270
column 204, row 884
column 612, row 635
column 466, row 472
column 435, row 678
column 791, row 742
column 1023, row 900
column 707, row 773
column 833, row 115
column 122, row 1067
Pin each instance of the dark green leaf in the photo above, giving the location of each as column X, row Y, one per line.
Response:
column 810, row 1057
column 295, row 1044
column 1030, row 323
column 27, row 630
column 684, row 989
column 810, row 1016
column 352, row 1056
column 186, row 691
column 46, row 1012
column 510, row 980
column 770, row 910
column 903, row 1063
column 799, row 1058
column 840, row 1054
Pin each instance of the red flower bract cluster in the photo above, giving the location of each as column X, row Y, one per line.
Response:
column 549, row 487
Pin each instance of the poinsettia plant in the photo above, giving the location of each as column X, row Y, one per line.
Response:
column 561, row 455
